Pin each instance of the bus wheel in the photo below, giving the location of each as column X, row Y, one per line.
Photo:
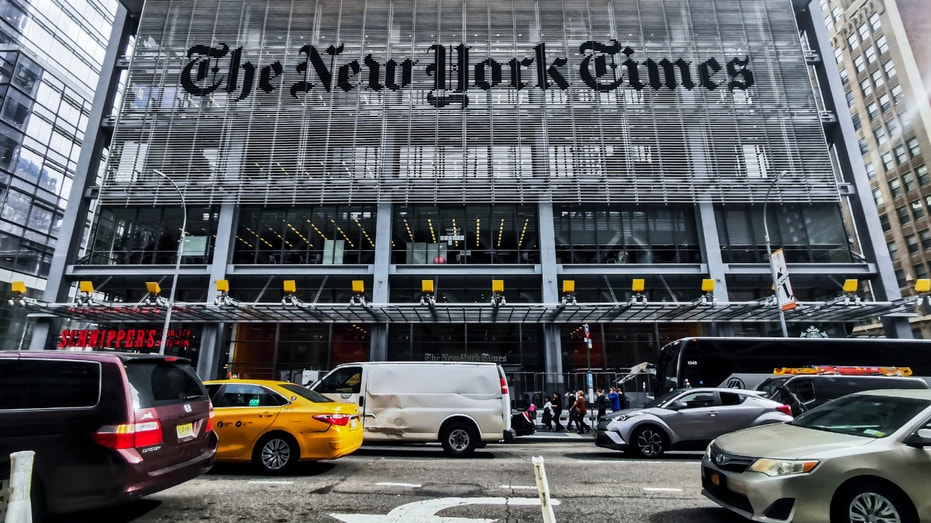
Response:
column 648, row 442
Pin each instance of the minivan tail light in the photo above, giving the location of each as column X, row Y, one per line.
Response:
column 209, row 419
column 504, row 385
column 785, row 409
column 144, row 431
column 334, row 419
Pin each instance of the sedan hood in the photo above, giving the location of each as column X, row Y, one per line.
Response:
column 786, row 441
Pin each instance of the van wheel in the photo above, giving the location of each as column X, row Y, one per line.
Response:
column 276, row 453
column 459, row 439
column 871, row 501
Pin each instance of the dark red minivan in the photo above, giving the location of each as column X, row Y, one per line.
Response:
column 106, row 427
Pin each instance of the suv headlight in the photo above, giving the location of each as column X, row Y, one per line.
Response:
column 783, row 467
column 629, row 415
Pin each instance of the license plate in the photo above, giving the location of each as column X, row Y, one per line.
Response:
column 185, row 431
column 715, row 478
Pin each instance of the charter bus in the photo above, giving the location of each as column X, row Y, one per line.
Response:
column 709, row 361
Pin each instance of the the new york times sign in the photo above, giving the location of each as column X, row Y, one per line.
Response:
column 603, row 67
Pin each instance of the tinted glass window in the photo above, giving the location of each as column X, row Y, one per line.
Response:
column 344, row 380
column 156, row 383
column 870, row 416
column 245, row 395
column 306, row 393
column 38, row 384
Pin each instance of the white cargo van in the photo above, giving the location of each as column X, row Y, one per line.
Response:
column 461, row 405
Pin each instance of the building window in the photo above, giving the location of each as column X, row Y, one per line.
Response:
column 913, row 146
column 925, row 237
column 904, row 217
column 857, row 124
column 878, row 197
column 859, row 63
column 885, row 102
column 874, row 21
column 878, row 80
column 850, row 98
column 889, row 68
column 921, row 271
column 897, row 93
column 873, row 110
column 884, row 222
column 922, row 172
column 911, row 243
column 908, row 181
column 853, row 43
column 881, row 45
column 870, row 54
column 880, row 135
column 918, row 210
column 895, row 187
column 866, row 87
column 888, row 162
column 864, row 31
column 864, row 147
column 900, row 155
column 893, row 251
column 870, row 170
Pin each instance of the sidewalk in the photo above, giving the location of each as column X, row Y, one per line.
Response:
column 541, row 434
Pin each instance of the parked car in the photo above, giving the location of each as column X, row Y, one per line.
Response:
column 463, row 405
column 686, row 419
column 804, row 392
column 863, row 457
column 274, row 424
column 106, row 427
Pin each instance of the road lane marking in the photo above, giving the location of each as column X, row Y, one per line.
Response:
column 518, row 487
column 270, row 482
column 661, row 489
column 425, row 511
column 389, row 484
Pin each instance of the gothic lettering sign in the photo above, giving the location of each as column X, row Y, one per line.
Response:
column 604, row 67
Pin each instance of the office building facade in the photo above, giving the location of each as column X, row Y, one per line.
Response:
column 883, row 52
column 50, row 60
column 548, row 185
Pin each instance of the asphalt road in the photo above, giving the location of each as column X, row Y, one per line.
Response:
column 420, row 484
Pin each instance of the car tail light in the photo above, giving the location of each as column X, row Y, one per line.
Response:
column 785, row 409
column 504, row 386
column 334, row 419
column 209, row 419
column 144, row 431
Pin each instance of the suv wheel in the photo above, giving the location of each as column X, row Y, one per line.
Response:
column 459, row 439
column 648, row 442
column 276, row 453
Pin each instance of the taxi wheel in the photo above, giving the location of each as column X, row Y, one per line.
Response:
column 648, row 442
column 874, row 502
column 459, row 439
column 276, row 453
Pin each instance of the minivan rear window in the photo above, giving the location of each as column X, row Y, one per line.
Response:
column 156, row 383
column 48, row 384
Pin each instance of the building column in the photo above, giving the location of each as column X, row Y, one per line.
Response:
column 717, row 270
column 378, row 348
column 552, row 346
column 208, row 359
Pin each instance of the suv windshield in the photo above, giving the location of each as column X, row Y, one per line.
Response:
column 862, row 415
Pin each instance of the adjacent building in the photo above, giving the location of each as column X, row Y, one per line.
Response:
column 883, row 54
column 553, row 186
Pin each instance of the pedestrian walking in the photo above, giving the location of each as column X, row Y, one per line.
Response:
column 601, row 401
column 615, row 399
column 557, row 410
column 548, row 415
column 581, row 409
column 570, row 403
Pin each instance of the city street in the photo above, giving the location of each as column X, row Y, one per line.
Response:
column 420, row 484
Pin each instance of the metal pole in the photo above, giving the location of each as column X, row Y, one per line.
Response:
column 769, row 254
column 174, row 280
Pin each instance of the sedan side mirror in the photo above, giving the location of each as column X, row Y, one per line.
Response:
column 919, row 439
column 677, row 405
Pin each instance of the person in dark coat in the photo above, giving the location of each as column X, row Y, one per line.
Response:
column 557, row 410
column 581, row 409
column 570, row 402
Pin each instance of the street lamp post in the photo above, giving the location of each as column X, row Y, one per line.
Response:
column 174, row 280
column 769, row 254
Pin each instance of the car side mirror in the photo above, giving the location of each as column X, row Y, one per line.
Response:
column 677, row 405
column 919, row 439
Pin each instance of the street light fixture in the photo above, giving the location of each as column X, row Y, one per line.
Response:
column 174, row 280
column 769, row 252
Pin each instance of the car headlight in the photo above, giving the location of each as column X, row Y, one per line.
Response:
column 627, row 416
column 783, row 467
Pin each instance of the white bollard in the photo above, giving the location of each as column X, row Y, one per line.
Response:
column 543, row 489
column 19, row 507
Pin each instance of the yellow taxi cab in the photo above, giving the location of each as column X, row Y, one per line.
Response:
column 274, row 424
